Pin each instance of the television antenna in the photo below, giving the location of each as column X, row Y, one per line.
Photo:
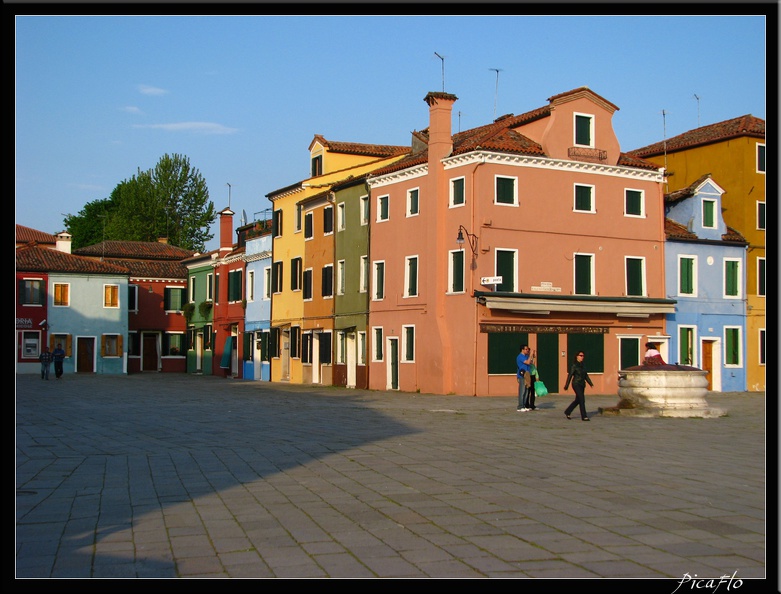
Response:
column 698, row 109
column 496, row 93
column 443, row 69
column 229, row 196
column 243, row 217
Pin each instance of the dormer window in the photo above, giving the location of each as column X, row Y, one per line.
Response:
column 584, row 130
column 317, row 165
column 709, row 214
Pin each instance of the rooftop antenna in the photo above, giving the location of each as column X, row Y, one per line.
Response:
column 496, row 93
column 698, row 109
column 664, row 137
column 443, row 69
column 229, row 196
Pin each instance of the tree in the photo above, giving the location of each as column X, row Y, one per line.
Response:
column 170, row 201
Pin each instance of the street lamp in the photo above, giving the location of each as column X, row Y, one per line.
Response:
column 471, row 237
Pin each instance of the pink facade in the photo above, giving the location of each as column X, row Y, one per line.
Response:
column 533, row 198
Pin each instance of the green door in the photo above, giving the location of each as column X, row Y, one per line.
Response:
column 548, row 356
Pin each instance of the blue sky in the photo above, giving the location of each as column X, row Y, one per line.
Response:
column 98, row 98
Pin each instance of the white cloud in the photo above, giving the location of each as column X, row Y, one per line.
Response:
column 197, row 127
column 132, row 109
column 147, row 90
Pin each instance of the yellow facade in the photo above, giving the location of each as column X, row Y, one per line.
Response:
column 733, row 163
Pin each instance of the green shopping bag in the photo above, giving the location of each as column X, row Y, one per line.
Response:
column 540, row 389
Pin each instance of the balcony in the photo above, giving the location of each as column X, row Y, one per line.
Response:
column 589, row 155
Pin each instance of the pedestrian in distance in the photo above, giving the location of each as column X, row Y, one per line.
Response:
column 578, row 376
column 59, row 356
column 523, row 362
column 46, row 359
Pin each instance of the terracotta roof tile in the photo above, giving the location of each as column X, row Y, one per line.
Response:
column 686, row 192
column 746, row 125
column 38, row 259
column 26, row 235
column 144, row 250
column 152, row 268
column 733, row 235
column 675, row 230
column 358, row 148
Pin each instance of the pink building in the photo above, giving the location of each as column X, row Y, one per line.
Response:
column 535, row 229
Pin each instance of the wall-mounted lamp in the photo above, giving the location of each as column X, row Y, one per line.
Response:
column 151, row 290
column 472, row 239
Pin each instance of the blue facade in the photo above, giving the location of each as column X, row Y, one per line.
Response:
column 705, row 273
column 257, row 322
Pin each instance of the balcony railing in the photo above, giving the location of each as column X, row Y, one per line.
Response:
column 580, row 153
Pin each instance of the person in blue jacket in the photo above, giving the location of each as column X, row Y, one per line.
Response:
column 523, row 362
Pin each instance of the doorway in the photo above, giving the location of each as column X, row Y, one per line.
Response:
column 85, row 354
column 150, row 360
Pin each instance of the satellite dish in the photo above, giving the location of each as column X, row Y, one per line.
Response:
column 243, row 217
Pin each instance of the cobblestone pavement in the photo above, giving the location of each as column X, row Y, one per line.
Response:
column 178, row 476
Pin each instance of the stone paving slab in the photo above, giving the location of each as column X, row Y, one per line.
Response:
column 179, row 476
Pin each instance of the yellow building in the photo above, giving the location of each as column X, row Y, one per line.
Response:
column 293, row 334
column 733, row 152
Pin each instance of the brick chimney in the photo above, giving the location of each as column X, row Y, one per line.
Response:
column 226, row 229
column 440, row 134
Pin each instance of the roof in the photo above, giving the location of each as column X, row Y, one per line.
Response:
column 676, row 230
column 142, row 250
column 358, row 148
column 32, row 258
column 686, row 192
column 26, row 235
column 746, row 125
column 152, row 268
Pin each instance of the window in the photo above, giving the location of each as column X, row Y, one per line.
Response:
column 457, row 197
column 299, row 213
column 732, row 278
column 111, row 345
column 216, row 287
column 134, row 344
column 584, row 198
column 686, row 353
column 709, row 214
column 327, row 284
column 192, row 289
column 364, row 274
column 506, row 268
column 307, row 284
column 732, row 346
column 296, row 273
column 506, row 191
column 761, row 158
column 309, row 231
column 761, row 277
column 295, row 342
column 235, row 285
column 31, row 292
column 408, row 344
column 276, row 277
column 61, row 295
column 340, row 220
column 635, row 276
column 341, row 347
column 377, row 352
column 761, row 346
column 132, row 297
column 361, row 348
column 110, row 295
column 634, row 203
column 267, row 283
column 340, row 280
column 317, row 165
column 328, row 220
column 379, row 280
column 325, row 348
column 277, row 223
column 455, row 273
column 584, row 130
column 761, row 216
column 209, row 287
column 382, row 208
column 412, row 202
column 687, row 276
column 411, row 277
column 306, row 348
column 364, row 210
column 250, row 285
column 584, row 272
column 173, row 344
column 173, row 298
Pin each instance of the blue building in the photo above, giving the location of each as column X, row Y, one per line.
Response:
column 705, row 263
column 257, row 322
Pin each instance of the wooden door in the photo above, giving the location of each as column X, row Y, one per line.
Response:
column 85, row 355
column 707, row 361
column 150, row 359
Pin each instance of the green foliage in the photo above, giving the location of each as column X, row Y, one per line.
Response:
column 170, row 201
column 188, row 309
column 204, row 308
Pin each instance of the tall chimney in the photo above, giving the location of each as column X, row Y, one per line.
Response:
column 440, row 135
column 226, row 229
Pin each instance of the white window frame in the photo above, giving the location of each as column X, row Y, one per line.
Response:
column 364, row 275
column 695, row 342
column 593, row 200
column 715, row 213
column 591, row 133
column 761, row 355
column 333, row 222
column 516, row 254
column 119, row 296
column 364, row 210
column 250, row 288
column 452, row 181
column 403, row 357
column 760, row 275
column 378, row 338
column 741, row 354
column 192, row 289
column 761, row 171
column 209, row 287
column 68, row 285
column 362, row 348
column 695, row 274
column 515, row 190
column 333, row 280
column 311, row 216
column 267, row 283
column 299, row 218
column 380, row 199
column 340, row 220
column 761, row 205
column 375, row 273
column 451, row 269
column 739, row 278
column 592, row 273
column 642, row 214
column 644, row 291
column 407, row 279
column 340, row 277
column 409, row 202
